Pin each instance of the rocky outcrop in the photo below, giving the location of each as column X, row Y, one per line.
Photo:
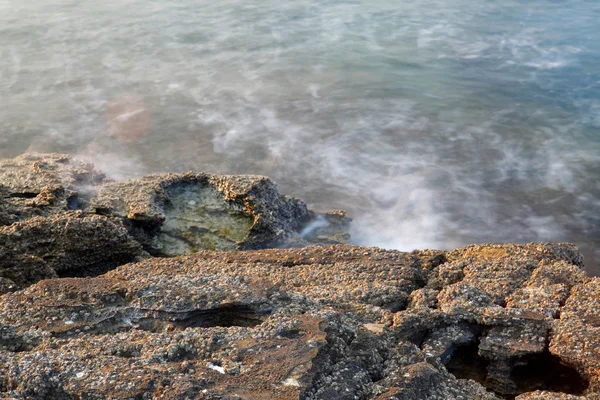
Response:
column 41, row 234
column 64, row 244
column 60, row 217
column 337, row 322
column 177, row 214
column 88, row 313
column 44, row 184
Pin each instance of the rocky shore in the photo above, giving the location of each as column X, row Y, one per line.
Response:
column 198, row 286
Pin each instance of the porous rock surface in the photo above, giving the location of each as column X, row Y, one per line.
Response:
column 43, row 232
column 43, row 184
column 64, row 244
column 175, row 214
column 336, row 322
column 61, row 217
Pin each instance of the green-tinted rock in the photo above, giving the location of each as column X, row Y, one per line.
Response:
column 176, row 214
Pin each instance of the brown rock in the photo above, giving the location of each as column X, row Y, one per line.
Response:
column 65, row 244
column 575, row 337
column 337, row 322
column 177, row 214
column 43, row 184
column 302, row 323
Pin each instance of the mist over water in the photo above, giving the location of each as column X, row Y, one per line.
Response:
column 434, row 123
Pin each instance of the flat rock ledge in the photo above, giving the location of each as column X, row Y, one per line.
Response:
column 335, row 322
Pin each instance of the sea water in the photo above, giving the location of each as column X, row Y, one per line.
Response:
column 434, row 123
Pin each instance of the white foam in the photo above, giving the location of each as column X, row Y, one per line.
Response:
column 433, row 123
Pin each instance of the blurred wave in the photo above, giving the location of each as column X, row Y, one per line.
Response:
column 434, row 123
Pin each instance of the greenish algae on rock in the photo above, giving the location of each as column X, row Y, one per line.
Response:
column 197, row 217
column 174, row 214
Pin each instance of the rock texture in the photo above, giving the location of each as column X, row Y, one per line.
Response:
column 64, row 244
column 60, row 217
column 87, row 313
column 337, row 322
column 177, row 214
column 44, row 184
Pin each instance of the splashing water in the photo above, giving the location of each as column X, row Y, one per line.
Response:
column 434, row 123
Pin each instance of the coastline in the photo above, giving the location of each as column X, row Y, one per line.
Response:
column 108, row 293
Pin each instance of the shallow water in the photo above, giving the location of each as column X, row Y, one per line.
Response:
column 435, row 123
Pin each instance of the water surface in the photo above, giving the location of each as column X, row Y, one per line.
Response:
column 435, row 123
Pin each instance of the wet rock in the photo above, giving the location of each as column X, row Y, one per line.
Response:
column 41, row 236
column 336, row 322
column 167, row 215
column 65, row 244
column 328, row 228
column 43, row 184
column 177, row 214
column 170, row 214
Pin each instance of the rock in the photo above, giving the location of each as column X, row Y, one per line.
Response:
column 176, row 214
column 328, row 228
column 170, row 214
column 494, row 309
column 547, row 288
column 164, row 325
column 337, row 322
column 8, row 211
column 65, row 244
column 43, row 184
column 41, row 236
column 575, row 337
column 541, row 395
column 375, row 328
column 167, row 215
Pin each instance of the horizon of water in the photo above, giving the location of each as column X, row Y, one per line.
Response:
column 435, row 124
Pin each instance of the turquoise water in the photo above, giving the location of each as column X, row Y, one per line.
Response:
column 435, row 123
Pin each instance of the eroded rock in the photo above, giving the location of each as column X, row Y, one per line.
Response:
column 177, row 214
column 65, row 244
column 494, row 310
column 168, row 215
column 43, row 184
column 336, row 322
column 575, row 337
